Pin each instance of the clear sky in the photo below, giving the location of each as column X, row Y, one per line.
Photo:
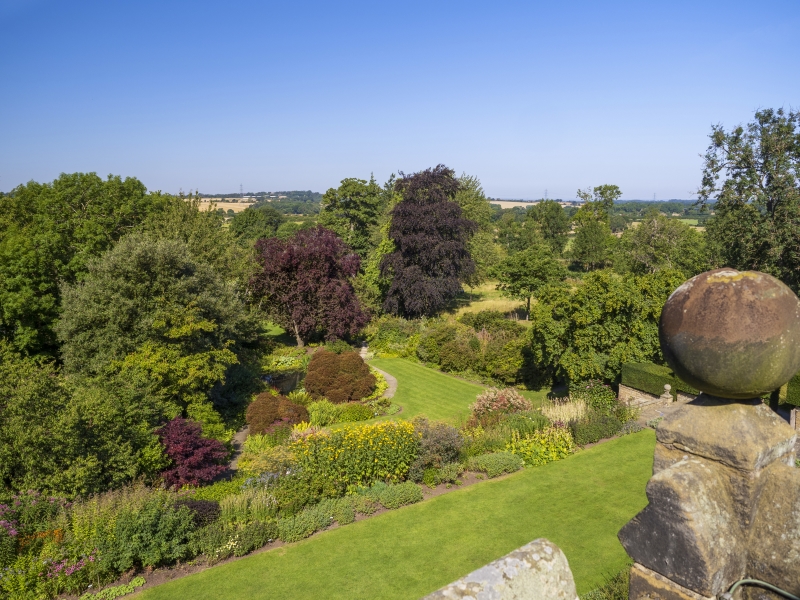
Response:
column 288, row 95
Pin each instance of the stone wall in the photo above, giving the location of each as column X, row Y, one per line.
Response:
column 638, row 399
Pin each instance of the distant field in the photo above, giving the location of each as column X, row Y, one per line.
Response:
column 509, row 204
column 692, row 222
column 484, row 297
column 234, row 206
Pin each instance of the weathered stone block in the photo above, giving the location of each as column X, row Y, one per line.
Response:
column 690, row 531
column 537, row 571
column 647, row 584
column 774, row 544
column 743, row 435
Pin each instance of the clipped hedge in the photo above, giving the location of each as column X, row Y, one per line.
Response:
column 651, row 378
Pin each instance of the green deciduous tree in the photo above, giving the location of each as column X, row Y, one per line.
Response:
column 753, row 171
column 256, row 222
column 592, row 246
column 522, row 274
column 352, row 211
column 48, row 235
column 552, row 222
column 475, row 206
column 73, row 436
column 590, row 328
column 660, row 243
column 148, row 308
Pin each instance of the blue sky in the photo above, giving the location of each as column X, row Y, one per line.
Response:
column 528, row 96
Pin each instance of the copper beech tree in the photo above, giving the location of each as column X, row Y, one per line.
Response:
column 304, row 285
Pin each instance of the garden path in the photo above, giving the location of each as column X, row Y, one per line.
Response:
column 390, row 379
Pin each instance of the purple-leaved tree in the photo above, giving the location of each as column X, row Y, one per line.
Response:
column 304, row 284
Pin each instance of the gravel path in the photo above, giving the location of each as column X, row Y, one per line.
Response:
column 392, row 381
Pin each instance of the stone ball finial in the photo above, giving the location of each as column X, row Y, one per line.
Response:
column 667, row 388
column 732, row 334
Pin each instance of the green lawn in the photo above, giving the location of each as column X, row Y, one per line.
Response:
column 579, row 503
column 424, row 391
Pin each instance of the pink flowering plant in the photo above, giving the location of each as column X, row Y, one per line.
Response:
column 494, row 401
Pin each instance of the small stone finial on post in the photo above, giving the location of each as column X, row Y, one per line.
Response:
column 724, row 499
column 667, row 395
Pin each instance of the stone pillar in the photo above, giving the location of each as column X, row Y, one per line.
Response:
column 724, row 499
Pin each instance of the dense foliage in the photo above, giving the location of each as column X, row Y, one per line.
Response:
column 304, row 284
column 49, row 233
column 430, row 235
column 588, row 329
column 269, row 412
column 753, row 174
column 339, row 377
column 195, row 460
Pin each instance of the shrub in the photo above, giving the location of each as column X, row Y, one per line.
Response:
column 596, row 426
column 393, row 336
column 630, row 427
column 285, row 359
column 461, row 355
column 496, row 463
column 338, row 347
column 219, row 541
column 153, row 535
column 353, row 411
column 401, row 494
column 339, row 377
column 446, row 474
column 195, row 459
column 381, row 385
column 277, row 460
column 478, row 440
column 542, row 447
column 439, row 444
column 324, row 412
column 267, row 413
column 359, row 454
column 310, row 520
column 595, row 393
column 220, row 489
column 504, row 359
column 255, row 535
column 434, row 337
column 204, row 512
column 493, row 401
column 363, row 504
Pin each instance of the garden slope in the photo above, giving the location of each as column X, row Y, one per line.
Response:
column 578, row 503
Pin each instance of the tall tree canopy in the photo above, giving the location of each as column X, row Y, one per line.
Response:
column 522, row 274
column 352, row 211
column 256, row 222
column 589, row 329
column 148, row 308
column 475, row 206
column 552, row 222
column 430, row 234
column 659, row 244
column 48, row 234
column 304, row 284
column 753, row 172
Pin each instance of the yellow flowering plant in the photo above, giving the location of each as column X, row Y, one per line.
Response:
column 542, row 447
column 361, row 454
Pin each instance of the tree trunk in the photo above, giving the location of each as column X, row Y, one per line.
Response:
column 297, row 336
column 528, row 311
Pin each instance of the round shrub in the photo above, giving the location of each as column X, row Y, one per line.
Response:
column 496, row 463
column 353, row 411
column 340, row 378
column 401, row 494
column 494, row 401
column 461, row 355
column 267, row 413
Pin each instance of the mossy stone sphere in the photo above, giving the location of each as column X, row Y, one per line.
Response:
column 732, row 334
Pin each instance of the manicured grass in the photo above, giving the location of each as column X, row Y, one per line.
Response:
column 421, row 390
column 579, row 503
